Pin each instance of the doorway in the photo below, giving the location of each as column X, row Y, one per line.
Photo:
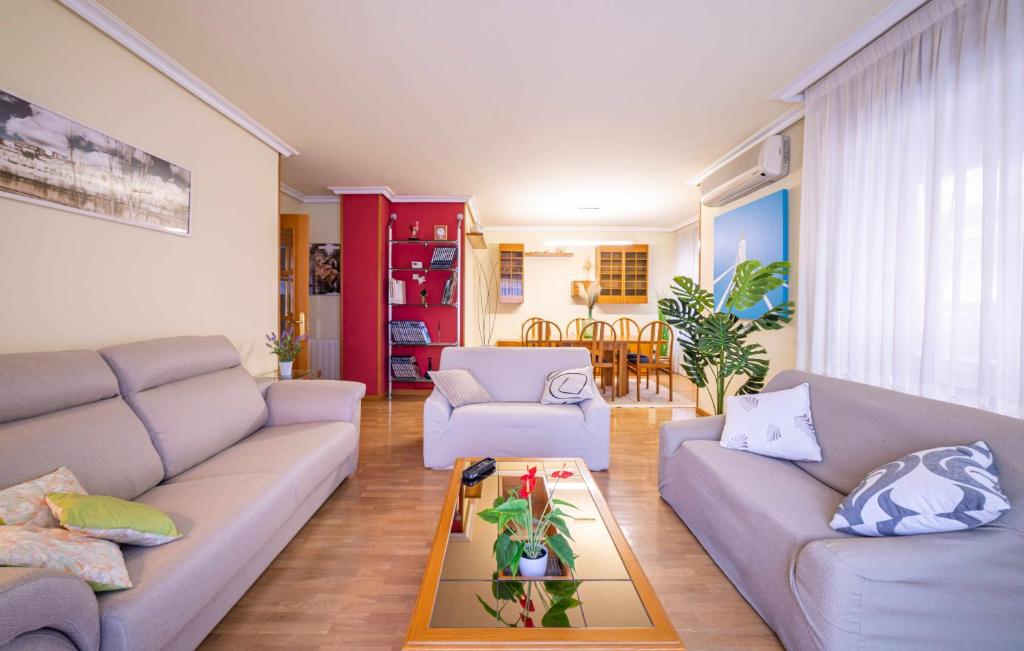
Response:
column 293, row 279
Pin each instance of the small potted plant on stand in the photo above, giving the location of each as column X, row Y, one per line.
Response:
column 286, row 348
column 524, row 540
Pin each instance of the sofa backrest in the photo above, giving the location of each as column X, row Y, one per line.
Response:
column 191, row 393
column 63, row 409
column 861, row 427
column 512, row 374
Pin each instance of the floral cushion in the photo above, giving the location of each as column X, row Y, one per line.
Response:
column 98, row 562
column 26, row 502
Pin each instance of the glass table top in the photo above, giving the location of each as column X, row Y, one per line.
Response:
column 598, row 593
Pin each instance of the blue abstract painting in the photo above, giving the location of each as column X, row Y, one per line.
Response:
column 759, row 231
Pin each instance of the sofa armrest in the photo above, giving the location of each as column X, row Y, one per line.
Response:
column 960, row 589
column 674, row 433
column 33, row 599
column 596, row 414
column 310, row 401
column 436, row 412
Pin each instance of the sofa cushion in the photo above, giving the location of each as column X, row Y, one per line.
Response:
column 302, row 454
column 527, row 415
column 191, row 420
column 40, row 383
column 862, row 427
column 513, row 374
column 459, row 387
column 752, row 514
column 776, row 424
column 25, row 504
column 569, row 386
column 97, row 562
column 146, row 364
column 956, row 590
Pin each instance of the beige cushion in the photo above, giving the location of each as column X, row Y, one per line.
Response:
column 459, row 387
column 25, row 504
column 99, row 562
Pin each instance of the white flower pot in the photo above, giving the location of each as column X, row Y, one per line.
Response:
column 285, row 369
column 534, row 566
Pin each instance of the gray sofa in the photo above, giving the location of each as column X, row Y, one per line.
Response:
column 765, row 523
column 179, row 424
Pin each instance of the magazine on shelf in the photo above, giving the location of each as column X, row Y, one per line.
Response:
column 396, row 292
column 443, row 257
column 409, row 332
column 405, row 367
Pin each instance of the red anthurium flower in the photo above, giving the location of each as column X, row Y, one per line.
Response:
column 529, row 622
column 529, row 481
column 561, row 474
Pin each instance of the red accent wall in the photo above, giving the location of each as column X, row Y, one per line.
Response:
column 363, row 264
column 441, row 322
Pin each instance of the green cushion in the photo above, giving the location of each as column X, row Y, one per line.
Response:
column 111, row 518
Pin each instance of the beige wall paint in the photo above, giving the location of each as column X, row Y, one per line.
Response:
column 324, row 318
column 547, row 280
column 780, row 344
column 70, row 281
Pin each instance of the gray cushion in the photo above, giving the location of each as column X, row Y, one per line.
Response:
column 32, row 384
column 459, row 387
column 860, row 427
column 103, row 443
column 146, row 364
column 191, row 420
column 752, row 514
column 959, row 590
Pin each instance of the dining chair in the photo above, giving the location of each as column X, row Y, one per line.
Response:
column 526, row 326
column 574, row 329
column 595, row 336
column 649, row 356
column 626, row 329
column 543, row 333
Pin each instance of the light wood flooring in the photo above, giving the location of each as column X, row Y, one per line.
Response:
column 350, row 577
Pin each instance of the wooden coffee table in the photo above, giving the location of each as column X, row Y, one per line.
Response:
column 463, row 605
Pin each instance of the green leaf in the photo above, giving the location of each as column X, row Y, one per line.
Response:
column 555, row 619
column 560, row 525
column 505, row 551
column 561, row 589
column 773, row 319
column 506, row 590
column 717, row 333
column 498, row 501
column 555, row 500
column 520, row 546
column 513, row 505
column 561, row 547
column 490, row 611
column 489, row 515
column 751, row 281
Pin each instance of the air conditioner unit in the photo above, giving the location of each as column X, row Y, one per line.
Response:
column 751, row 170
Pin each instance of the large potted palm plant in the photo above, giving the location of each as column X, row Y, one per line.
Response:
column 715, row 347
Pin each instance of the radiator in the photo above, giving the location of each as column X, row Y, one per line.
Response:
column 325, row 356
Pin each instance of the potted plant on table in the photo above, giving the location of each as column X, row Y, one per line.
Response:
column 286, row 347
column 523, row 540
column 593, row 293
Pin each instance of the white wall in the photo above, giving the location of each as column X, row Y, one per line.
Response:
column 324, row 318
column 547, row 281
column 69, row 281
column 780, row 344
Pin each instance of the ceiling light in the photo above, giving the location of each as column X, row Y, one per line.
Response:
column 587, row 208
column 558, row 243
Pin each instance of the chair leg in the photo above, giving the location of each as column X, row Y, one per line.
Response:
column 638, row 372
column 657, row 381
column 671, row 395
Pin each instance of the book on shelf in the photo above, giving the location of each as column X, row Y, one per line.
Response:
column 511, row 287
column 409, row 332
column 405, row 367
column 451, row 286
column 443, row 257
column 396, row 292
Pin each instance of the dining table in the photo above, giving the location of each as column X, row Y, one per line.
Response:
column 611, row 350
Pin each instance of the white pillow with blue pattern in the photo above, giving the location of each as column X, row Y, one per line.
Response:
column 774, row 424
column 931, row 491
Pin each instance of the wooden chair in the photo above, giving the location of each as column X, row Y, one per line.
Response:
column 526, row 326
column 649, row 357
column 628, row 330
column 595, row 335
column 543, row 333
column 574, row 329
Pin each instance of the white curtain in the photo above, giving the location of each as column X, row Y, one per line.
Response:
column 687, row 254
column 912, row 228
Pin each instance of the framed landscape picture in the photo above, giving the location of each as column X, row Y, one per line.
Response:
column 47, row 158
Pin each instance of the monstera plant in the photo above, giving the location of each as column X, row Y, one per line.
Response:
column 716, row 350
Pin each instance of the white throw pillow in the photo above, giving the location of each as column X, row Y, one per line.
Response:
column 568, row 387
column 775, row 424
column 942, row 489
column 460, row 387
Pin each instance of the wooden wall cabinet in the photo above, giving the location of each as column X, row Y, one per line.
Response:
column 623, row 273
column 510, row 273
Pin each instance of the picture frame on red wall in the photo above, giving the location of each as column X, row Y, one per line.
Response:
column 440, row 232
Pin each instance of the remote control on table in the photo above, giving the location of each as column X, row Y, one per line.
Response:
column 478, row 470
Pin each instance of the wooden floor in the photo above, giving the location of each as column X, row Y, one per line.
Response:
column 350, row 577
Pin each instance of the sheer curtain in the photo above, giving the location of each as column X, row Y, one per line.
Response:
column 687, row 244
column 912, row 228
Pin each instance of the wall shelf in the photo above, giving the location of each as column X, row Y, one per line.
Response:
column 548, row 254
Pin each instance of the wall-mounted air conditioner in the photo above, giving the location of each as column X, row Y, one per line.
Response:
column 751, row 170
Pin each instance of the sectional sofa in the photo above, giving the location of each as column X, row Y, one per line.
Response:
column 179, row 424
column 765, row 522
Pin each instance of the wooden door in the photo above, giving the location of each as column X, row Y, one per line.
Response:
column 293, row 288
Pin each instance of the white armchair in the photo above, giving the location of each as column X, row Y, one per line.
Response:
column 516, row 424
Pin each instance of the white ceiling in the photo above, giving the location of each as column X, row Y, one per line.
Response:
column 536, row 107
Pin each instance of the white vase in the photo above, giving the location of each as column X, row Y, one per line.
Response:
column 534, row 566
column 285, row 369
